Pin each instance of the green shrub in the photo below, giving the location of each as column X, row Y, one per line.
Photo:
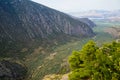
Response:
column 96, row 63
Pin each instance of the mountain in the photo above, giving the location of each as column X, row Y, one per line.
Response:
column 25, row 26
column 88, row 22
column 24, row 20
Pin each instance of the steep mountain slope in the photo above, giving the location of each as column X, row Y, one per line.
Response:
column 23, row 20
column 88, row 22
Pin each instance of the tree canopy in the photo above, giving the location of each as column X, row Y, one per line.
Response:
column 96, row 63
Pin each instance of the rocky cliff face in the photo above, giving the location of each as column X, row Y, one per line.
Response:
column 22, row 20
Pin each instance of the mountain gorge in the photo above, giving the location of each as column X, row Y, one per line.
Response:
column 23, row 20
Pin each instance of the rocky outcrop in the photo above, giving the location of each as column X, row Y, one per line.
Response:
column 11, row 71
column 23, row 20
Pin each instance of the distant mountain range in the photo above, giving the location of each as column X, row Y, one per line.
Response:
column 99, row 14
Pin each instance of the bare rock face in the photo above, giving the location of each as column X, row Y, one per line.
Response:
column 23, row 20
column 11, row 71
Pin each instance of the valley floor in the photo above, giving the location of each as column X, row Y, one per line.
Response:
column 55, row 62
column 42, row 61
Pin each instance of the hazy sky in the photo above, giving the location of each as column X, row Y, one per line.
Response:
column 80, row 5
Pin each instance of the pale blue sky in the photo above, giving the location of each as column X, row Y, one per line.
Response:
column 81, row 5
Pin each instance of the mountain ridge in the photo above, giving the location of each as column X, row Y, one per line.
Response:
column 30, row 20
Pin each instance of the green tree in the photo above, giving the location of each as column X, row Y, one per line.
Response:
column 96, row 63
